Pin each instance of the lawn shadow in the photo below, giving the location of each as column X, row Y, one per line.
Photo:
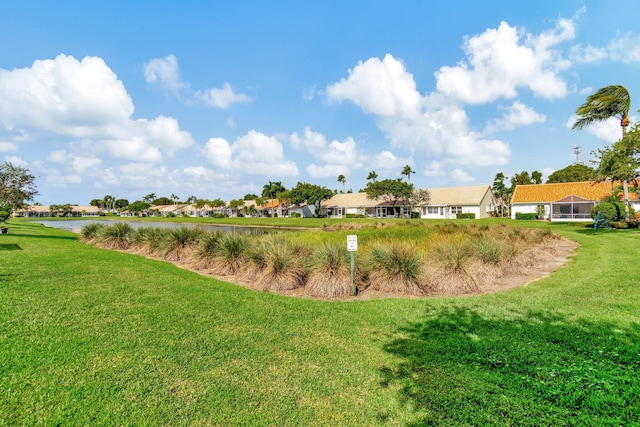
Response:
column 457, row 367
column 42, row 236
column 10, row 247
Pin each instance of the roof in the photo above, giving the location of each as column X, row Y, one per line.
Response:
column 460, row 196
column 547, row 193
column 457, row 196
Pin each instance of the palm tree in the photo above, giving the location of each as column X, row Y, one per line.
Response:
column 407, row 171
column 342, row 180
column 174, row 198
column 607, row 102
column 372, row 176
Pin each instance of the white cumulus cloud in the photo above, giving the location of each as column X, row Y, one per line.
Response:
column 503, row 59
column 254, row 153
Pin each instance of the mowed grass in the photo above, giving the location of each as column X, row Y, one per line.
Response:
column 95, row 337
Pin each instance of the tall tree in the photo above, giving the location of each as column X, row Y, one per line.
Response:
column 372, row 176
column 407, row 171
column 343, row 180
column 311, row 194
column 272, row 189
column 501, row 192
column 174, row 198
column 572, row 173
column 17, row 185
column 536, row 177
column 621, row 161
column 149, row 198
column 607, row 102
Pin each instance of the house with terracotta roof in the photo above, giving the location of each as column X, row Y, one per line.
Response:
column 443, row 203
column 566, row 201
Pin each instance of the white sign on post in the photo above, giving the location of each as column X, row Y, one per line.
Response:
column 352, row 243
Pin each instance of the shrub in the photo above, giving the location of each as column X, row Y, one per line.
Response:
column 330, row 272
column 115, row 236
column 486, row 250
column 282, row 264
column 465, row 215
column 449, row 253
column 148, row 240
column 295, row 215
column 231, row 253
column 4, row 215
column 207, row 249
column 89, row 232
column 395, row 268
column 612, row 211
column 179, row 242
column 526, row 216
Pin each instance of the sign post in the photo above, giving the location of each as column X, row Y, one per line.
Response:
column 352, row 247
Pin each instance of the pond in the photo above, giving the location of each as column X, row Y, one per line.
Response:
column 76, row 225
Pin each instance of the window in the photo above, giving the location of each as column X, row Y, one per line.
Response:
column 432, row 210
column 456, row 209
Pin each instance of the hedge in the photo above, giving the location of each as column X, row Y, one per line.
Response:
column 468, row 215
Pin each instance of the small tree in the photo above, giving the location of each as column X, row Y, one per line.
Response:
column 392, row 191
column 311, row 194
column 17, row 185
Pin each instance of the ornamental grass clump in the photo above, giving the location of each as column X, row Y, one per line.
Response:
column 283, row 265
column 148, row 240
column 89, row 232
column 179, row 242
column 395, row 267
column 451, row 260
column 330, row 272
column 205, row 253
column 231, row 254
column 115, row 236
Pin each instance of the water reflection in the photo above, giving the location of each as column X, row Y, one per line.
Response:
column 76, row 225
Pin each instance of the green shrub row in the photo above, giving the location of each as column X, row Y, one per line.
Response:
column 526, row 216
column 465, row 215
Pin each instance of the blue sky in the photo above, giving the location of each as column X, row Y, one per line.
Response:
column 215, row 98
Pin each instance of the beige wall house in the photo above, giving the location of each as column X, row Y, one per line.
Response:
column 444, row 203
column 45, row 211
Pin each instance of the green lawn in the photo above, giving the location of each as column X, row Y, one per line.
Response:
column 94, row 337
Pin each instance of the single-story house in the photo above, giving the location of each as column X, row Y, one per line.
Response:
column 443, row 203
column 566, row 201
column 45, row 211
column 448, row 202
column 343, row 204
column 168, row 210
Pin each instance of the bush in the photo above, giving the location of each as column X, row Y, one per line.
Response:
column 90, row 231
column 465, row 215
column 179, row 242
column 526, row 216
column 4, row 215
column 208, row 248
column 612, row 211
column 330, row 272
column 396, row 268
column 115, row 236
column 295, row 215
